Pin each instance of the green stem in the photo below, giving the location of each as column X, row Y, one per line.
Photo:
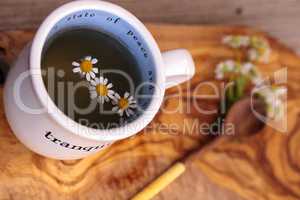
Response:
column 240, row 87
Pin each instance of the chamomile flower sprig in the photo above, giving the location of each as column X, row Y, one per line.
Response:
column 230, row 69
column 236, row 41
column 240, row 74
column 258, row 48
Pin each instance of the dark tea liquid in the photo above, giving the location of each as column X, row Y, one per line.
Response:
column 73, row 45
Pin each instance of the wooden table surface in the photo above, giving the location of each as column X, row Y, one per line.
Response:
column 280, row 18
column 264, row 166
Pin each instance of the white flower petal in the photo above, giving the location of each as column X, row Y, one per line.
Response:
column 93, row 82
column 76, row 64
column 246, row 68
column 253, row 54
column 130, row 112
column 244, row 41
column 106, row 98
column 219, row 76
column 93, row 94
column 92, row 88
column 266, row 55
column 230, row 64
column 101, row 80
column 92, row 74
column 105, row 81
column 226, row 39
column 110, row 85
column 97, row 81
column 94, row 61
column 95, row 70
column 256, row 80
column 219, row 67
column 117, row 96
column 76, row 69
column 114, row 100
column 126, row 112
column 130, row 98
column 126, row 95
column 88, row 58
column 110, row 94
column 88, row 76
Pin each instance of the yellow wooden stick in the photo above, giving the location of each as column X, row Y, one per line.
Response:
column 161, row 182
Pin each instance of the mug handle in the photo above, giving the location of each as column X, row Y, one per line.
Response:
column 179, row 66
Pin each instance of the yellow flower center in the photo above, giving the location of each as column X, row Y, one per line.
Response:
column 123, row 103
column 86, row 66
column 261, row 51
column 102, row 90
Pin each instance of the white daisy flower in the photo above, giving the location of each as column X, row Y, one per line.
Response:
column 260, row 49
column 236, row 41
column 101, row 89
column 85, row 67
column 124, row 104
column 223, row 67
column 219, row 75
column 246, row 68
column 253, row 54
column 219, row 71
column 257, row 80
column 265, row 57
column 258, row 42
column 229, row 65
column 273, row 97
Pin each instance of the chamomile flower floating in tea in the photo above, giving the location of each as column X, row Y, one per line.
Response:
column 124, row 104
column 101, row 89
column 86, row 67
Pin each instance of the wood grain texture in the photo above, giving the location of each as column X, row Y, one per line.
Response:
column 263, row 166
column 280, row 18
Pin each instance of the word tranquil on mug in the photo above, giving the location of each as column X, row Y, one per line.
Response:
column 53, row 139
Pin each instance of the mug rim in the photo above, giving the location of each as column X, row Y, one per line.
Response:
column 61, row 118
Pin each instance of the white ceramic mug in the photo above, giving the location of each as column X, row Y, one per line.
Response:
column 33, row 116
